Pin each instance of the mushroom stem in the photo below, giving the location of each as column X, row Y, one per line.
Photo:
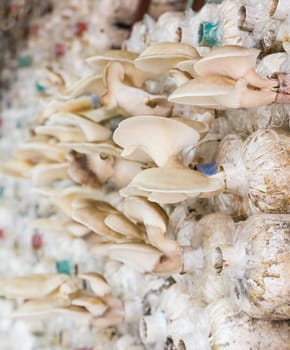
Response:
column 254, row 98
column 159, row 240
column 256, row 80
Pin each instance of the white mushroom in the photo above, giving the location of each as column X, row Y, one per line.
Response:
column 160, row 57
column 218, row 92
column 167, row 138
column 172, row 185
column 235, row 62
column 129, row 99
column 31, row 286
column 155, row 221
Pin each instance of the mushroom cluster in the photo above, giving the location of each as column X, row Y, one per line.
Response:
column 45, row 294
column 128, row 159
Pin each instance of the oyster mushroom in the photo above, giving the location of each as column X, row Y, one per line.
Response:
column 133, row 76
column 75, row 105
column 173, row 182
column 44, row 173
column 78, row 170
column 118, row 94
column 32, row 286
column 64, row 199
column 60, row 132
column 91, row 130
column 160, row 57
column 172, row 185
column 168, row 137
column 92, row 214
column 16, row 168
column 37, row 151
column 97, row 283
column 235, row 62
column 59, row 226
column 218, row 92
column 93, row 84
column 155, row 221
column 94, row 305
column 105, row 162
column 42, row 307
column 145, row 258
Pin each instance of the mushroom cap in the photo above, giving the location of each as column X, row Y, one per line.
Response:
column 188, row 66
column 172, row 185
column 92, row 214
column 91, row 130
column 16, row 168
column 65, row 198
column 150, row 214
column 45, row 173
column 100, row 61
column 119, row 223
column 35, row 151
column 93, row 84
column 160, row 57
column 79, row 313
column 141, row 256
column 45, row 305
column 230, row 60
column 203, row 91
column 32, row 286
column 62, row 133
column 129, row 99
column 97, row 282
column 159, row 137
column 93, row 304
column 94, row 148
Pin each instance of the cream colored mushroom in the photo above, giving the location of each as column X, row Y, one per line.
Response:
column 128, row 98
column 103, row 161
column 219, row 92
column 77, row 313
column 172, row 185
column 32, row 286
column 99, row 62
column 43, row 306
column 155, row 221
column 160, row 57
column 180, row 77
column 97, row 283
column 133, row 76
column 188, row 66
column 145, row 258
column 92, row 214
column 44, row 173
column 92, row 84
column 91, row 130
column 167, row 138
column 63, row 199
column 57, row 226
column 79, row 104
column 16, row 168
column 120, row 223
column 235, row 62
column 37, row 151
column 62, row 133
column 93, row 304
column 79, row 170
